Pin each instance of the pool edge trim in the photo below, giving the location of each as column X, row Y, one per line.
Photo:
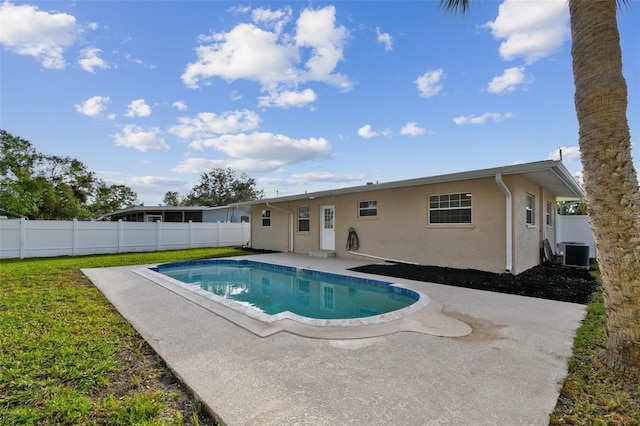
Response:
column 424, row 317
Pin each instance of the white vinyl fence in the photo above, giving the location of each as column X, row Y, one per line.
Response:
column 575, row 229
column 21, row 238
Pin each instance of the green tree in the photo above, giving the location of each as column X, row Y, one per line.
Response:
column 17, row 156
column 20, row 191
column 220, row 187
column 172, row 198
column 109, row 199
column 42, row 186
column 572, row 208
column 20, row 197
column 610, row 179
column 67, row 184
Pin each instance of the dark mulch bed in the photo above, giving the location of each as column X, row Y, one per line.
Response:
column 544, row 281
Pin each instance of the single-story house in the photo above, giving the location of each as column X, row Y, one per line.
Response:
column 180, row 214
column 493, row 219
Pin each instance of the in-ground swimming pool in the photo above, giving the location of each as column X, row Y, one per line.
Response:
column 277, row 291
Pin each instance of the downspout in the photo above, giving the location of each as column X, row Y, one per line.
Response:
column 509, row 222
column 290, row 224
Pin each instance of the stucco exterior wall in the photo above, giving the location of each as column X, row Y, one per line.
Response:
column 275, row 237
column 528, row 238
column 401, row 231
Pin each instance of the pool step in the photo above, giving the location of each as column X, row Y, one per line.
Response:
column 322, row 253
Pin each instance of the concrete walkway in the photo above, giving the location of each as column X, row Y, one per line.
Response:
column 507, row 372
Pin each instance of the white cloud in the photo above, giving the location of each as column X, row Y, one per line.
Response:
column 93, row 107
column 180, row 105
column 429, row 83
column 243, row 165
column 208, row 124
column 317, row 30
column 481, row 119
column 89, row 60
column 530, row 29
column 579, row 177
column 302, row 178
column 508, row 81
column 412, row 129
column 288, row 98
column 138, row 108
column 366, row 132
column 569, row 154
column 240, row 9
column 386, row 39
column 143, row 140
column 261, row 51
column 299, row 179
column 250, row 152
column 245, row 52
column 26, row 30
column 275, row 20
column 147, row 187
column 130, row 58
column 154, row 181
column 262, row 146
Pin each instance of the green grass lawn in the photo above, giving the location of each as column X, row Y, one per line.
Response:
column 593, row 394
column 68, row 357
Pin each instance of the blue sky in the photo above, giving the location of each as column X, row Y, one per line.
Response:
column 301, row 96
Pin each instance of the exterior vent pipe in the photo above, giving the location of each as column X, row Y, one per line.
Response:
column 509, row 222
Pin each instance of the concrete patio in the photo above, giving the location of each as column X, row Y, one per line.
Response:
column 506, row 372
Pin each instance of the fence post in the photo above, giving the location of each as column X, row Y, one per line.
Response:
column 23, row 236
column 74, row 238
column 158, row 229
column 190, row 233
column 119, row 235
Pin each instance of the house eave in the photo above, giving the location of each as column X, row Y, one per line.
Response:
column 549, row 174
column 138, row 209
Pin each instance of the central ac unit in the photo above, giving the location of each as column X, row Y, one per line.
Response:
column 575, row 254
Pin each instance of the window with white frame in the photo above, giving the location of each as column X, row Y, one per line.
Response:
column 450, row 208
column 549, row 214
column 303, row 218
column 266, row 218
column 367, row 209
column 530, row 209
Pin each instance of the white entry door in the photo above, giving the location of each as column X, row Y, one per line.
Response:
column 327, row 228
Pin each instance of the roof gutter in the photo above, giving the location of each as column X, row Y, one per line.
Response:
column 290, row 248
column 569, row 181
column 509, row 222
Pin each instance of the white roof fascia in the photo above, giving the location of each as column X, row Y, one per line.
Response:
column 156, row 208
column 555, row 167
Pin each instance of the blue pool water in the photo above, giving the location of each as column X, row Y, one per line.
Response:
column 273, row 289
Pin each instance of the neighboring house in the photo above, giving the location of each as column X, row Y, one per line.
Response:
column 180, row 214
column 493, row 220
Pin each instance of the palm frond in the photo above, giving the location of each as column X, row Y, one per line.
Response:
column 456, row 5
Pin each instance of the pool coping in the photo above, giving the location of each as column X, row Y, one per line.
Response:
column 420, row 299
column 424, row 316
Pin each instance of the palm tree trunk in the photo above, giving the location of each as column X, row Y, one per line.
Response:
column 611, row 183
